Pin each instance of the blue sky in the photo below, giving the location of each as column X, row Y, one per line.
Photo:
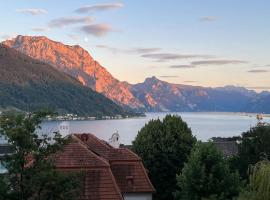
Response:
column 208, row 43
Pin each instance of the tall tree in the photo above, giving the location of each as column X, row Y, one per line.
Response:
column 30, row 171
column 164, row 147
column 206, row 175
column 254, row 147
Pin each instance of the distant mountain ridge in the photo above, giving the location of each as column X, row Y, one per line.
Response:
column 151, row 95
column 159, row 95
column 28, row 84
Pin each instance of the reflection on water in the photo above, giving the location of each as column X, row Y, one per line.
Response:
column 203, row 125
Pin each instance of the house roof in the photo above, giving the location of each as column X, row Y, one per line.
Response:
column 131, row 177
column 76, row 155
column 126, row 166
column 99, row 184
column 105, row 150
column 228, row 148
column 109, row 171
column 5, row 149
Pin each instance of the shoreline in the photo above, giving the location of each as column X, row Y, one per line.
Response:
column 165, row 112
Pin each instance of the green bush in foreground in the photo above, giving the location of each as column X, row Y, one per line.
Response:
column 207, row 175
column 259, row 183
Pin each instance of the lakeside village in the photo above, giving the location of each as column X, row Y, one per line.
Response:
column 75, row 117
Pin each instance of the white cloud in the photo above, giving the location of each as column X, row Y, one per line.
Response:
column 32, row 11
column 137, row 50
column 40, row 29
column 97, row 29
column 99, row 7
column 208, row 19
column 68, row 21
column 218, row 62
column 161, row 57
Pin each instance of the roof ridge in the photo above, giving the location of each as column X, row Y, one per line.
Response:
column 96, row 138
column 134, row 154
column 89, row 150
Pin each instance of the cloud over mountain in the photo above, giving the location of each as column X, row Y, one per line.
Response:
column 97, row 29
column 68, row 21
column 181, row 66
column 129, row 50
column 258, row 71
column 99, row 7
column 160, row 57
column 218, row 62
column 40, row 29
column 168, row 76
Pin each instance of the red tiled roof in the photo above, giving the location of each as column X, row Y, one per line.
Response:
column 109, row 172
column 126, row 166
column 131, row 177
column 76, row 155
column 105, row 150
column 99, row 184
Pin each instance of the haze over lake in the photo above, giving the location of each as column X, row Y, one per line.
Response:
column 203, row 125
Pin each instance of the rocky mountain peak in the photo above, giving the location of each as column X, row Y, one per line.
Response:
column 78, row 63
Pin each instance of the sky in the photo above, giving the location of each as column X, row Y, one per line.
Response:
column 194, row 42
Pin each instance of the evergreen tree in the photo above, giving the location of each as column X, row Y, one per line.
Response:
column 164, row 147
column 254, row 147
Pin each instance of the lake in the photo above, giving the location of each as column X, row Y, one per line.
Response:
column 203, row 125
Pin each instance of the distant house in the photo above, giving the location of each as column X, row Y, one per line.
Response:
column 110, row 173
column 228, row 146
column 4, row 150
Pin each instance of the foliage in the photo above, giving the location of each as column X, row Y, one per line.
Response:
column 31, row 173
column 206, row 175
column 259, row 182
column 255, row 146
column 164, row 147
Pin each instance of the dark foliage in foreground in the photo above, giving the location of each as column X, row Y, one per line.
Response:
column 254, row 147
column 164, row 147
column 31, row 174
column 207, row 175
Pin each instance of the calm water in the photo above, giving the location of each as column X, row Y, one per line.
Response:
column 203, row 125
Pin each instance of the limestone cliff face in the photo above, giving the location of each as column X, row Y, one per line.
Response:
column 78, row 63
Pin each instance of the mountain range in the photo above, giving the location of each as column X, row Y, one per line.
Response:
column 28, row 84
column 151, row 95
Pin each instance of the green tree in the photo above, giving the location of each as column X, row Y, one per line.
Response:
column 254, row 147
column 164, row 147
column 30, row 170
column 259, row 182
column 207, row 175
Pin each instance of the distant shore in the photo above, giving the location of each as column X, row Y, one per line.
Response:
column 70, row 117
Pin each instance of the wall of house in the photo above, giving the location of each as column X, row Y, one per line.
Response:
column 135, row 196
column 2, row 169
column 3, row 139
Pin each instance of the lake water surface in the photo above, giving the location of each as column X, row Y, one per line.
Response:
column 203, row 125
